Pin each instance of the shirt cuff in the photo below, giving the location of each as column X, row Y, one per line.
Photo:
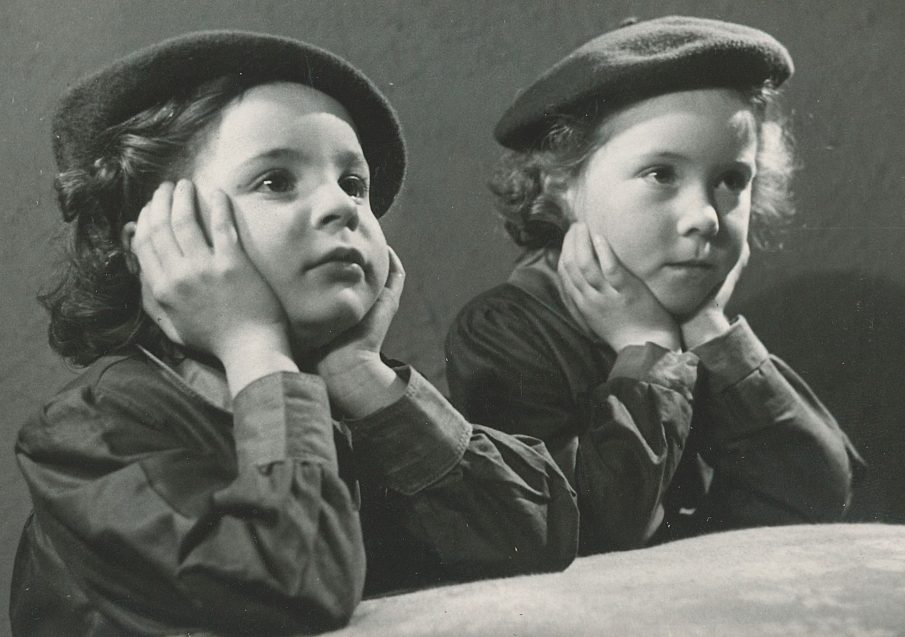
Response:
column 732, row 356
column 283, row 415
column 650, row 363
column 413, row 442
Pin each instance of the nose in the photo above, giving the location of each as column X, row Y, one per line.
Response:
column 699, row 216
column 335, row 208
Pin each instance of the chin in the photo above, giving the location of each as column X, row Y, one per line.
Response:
column 317, row 330
column 681, row 306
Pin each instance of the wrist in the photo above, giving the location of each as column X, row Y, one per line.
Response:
column 667, row 339
column 253, row 355
column 363, row 386
column 704, row 326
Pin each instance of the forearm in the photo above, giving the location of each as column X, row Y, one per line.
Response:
column 703, row 327
column 274, row 517
column 778, row 454
column 637, row 425
column 255, row 354
column 364, row 387
column 488, row 504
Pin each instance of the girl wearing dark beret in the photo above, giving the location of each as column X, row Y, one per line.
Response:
column 635, row 167
column 237, row 448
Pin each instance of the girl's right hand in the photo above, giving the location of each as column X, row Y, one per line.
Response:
column 608, row 300
column 205, row 294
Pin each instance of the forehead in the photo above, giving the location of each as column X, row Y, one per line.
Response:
column 711, row 119
column 280, row 114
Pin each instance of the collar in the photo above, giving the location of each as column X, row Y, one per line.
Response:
column 535, row 274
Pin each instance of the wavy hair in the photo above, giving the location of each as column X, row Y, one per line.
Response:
column 94, row 297
column 528, row 185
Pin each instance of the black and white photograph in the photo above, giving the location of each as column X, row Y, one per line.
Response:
column 435, row 318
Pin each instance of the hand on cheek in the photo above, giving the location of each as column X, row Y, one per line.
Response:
column 606, row 299
column 205, row 294
column 709, row 320
column 358, row 381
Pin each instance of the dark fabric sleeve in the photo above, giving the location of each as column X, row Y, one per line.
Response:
column 486, row 503
column 619, row 441
column 164, row 531
column 778, row 455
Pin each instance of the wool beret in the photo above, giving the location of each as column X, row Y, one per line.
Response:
column 642, row 60
column 155, row 74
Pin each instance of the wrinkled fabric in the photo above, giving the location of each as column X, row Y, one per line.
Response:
column 161, row 506
column 658, row 444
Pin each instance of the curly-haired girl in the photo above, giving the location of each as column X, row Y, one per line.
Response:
column 237, row 446
column 636, row 165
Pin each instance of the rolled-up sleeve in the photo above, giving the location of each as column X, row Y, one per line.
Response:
column 617, row 432
column 487, row 503
column 778, row 454
column 637, row 425
column 171, row 524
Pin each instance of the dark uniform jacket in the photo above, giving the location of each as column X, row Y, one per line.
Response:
column 161, row 506
column 658, row 444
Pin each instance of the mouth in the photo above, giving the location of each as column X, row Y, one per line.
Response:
column 341, row 256
column 692, row 264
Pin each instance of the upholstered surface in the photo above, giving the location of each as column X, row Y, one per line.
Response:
column 826, row 580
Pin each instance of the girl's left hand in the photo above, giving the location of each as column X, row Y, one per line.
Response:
column 709, row 320
column 358, row 381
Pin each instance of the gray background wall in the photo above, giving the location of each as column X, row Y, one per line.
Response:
column 832, row 304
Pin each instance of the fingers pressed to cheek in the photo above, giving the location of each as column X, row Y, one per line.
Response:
column 746, row 254
column 160, row 229
column 610, row 267
column 396, row 275
column 186, row 228
column 571, row 266
column 224, row 236
column 586, row 259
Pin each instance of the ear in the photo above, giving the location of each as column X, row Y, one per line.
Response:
column 125, row 239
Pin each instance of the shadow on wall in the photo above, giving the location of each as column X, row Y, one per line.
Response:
column 843, row 332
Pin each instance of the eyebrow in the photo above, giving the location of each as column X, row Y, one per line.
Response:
column 342, row 158
column 666, row 154
column 663, row 154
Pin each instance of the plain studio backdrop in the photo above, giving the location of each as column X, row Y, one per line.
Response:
column 832, row 303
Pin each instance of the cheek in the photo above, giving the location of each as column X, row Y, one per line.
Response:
column 633, row 231
column 737, row 227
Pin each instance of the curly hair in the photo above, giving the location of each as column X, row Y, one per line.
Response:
column 528, row 185
column 94, row 298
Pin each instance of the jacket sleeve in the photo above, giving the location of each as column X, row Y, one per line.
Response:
column 619, row 440
column 778, row 455
column 486, row 503
column 187, row 531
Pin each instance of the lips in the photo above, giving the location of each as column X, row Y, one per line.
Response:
column 341, row 255
column 693, row 263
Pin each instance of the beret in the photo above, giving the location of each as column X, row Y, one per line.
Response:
column 642, row 60
column 152, row 75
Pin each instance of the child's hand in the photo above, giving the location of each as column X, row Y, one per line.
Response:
column 607, row 299
column 357, row 380
column 207, row 296
column 709, row 320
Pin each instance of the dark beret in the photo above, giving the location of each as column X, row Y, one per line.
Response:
column 153, row 75
column 642, row 60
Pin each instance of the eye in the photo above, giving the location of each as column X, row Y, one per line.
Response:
column 276, row 181
column 661, row 175
column 354, row 186
column 735, row 180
